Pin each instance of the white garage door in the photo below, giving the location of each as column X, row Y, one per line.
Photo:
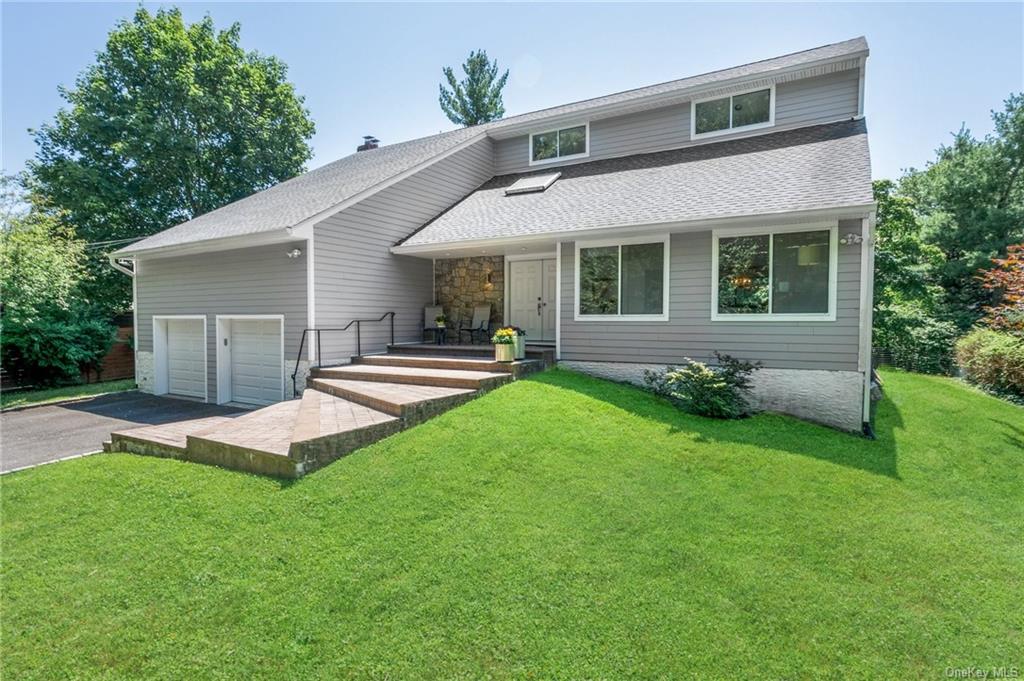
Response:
column 186, row 353
column 256, row 361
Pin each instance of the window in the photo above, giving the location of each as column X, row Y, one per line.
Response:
column 624, row 281
column 721, row 115
column 546, row 147
column 775, row 274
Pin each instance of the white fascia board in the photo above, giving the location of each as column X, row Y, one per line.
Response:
column 223, row 244
column 838, row 212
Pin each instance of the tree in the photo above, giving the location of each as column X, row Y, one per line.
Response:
column 47, row 333
column 170, row 122
column 477, row 99
column 1006, row 279
column 971, row 206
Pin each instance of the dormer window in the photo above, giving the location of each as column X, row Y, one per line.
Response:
column 722, row 115
column 560, row 145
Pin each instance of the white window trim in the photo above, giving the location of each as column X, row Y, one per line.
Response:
column 624, row 241
column 556, row 158
column 730, row 130
column 833, row 274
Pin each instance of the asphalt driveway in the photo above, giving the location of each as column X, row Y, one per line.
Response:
column 56, row 431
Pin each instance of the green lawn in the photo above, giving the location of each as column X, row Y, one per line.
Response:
column 560, row 527
column 9, row 400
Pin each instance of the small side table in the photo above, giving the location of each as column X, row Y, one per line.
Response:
column 440, row 334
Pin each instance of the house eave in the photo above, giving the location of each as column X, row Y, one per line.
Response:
column 493, row 245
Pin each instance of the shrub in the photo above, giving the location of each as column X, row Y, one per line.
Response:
column 719, row 392
column 56, row 349
column 915, row 340
column 993, row 360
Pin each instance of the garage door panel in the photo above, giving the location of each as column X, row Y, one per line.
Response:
column 256, row 361
column 186, row 358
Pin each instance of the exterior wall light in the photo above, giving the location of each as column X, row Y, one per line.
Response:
column 294, row 253
column 851, row 239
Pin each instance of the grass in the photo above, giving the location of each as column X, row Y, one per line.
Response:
column 9, row 400
column 560, row 527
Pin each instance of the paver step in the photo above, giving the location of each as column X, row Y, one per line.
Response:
column 410, row 402
column 539, row 352
column 170, row 435
column 267, row 430
column 442, row 362
column 445, row 378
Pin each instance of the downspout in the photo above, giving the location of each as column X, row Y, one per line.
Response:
column 867, row 301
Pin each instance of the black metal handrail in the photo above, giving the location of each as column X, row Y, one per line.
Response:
column 359, row 341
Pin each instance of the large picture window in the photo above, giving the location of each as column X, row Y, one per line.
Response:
column 775, row 274
column 554, row 145
column 626, row 280
column 724, row 114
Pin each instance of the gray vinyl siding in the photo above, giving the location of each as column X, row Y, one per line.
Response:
column 797, row 103
column 258, row 280
column 356, row 275
column 691, row 333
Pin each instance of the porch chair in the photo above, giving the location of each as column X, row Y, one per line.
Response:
column 430, row 314
column 480, row 327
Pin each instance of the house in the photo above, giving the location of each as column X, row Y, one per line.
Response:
column 730, row 211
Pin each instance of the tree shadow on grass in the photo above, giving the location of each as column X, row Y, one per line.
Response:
column 771, row 431
column 1015, row 436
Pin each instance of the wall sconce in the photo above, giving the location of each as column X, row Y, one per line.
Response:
column 489, row 283
column 294, row 253
column 851, row 239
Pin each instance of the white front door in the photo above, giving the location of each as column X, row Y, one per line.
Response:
column 532, row 285
column 256, row 361
column 186, row 357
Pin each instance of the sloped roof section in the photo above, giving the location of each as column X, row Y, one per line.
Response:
column 847, row 48
column 824, row 166
column 291, row 202
column 299, row 199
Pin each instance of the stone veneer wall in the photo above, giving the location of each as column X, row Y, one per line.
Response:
column 833, row 398
column 460, row 284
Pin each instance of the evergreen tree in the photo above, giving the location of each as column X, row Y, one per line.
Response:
column 477, row 98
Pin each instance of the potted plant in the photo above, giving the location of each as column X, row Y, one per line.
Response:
column 441, row 321
column 504, row 340
column 520, row 342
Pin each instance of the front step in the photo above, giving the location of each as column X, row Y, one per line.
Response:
column 517, row 369
column 544, row 353
column 441, row 378
column 411, row 403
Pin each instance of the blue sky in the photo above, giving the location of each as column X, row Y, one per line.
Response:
column 374, row 69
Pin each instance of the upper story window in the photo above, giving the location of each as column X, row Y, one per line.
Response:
column 561, row 144
column 766, row 274
column 748, row 110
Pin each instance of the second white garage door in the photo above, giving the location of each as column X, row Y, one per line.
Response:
column 256, row 361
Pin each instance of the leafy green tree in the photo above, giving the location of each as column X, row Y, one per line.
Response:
column 170, row 122
column 477, row 98
column 971, row 206
column 47, row 332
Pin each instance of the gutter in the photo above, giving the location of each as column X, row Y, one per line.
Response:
column 119, row 267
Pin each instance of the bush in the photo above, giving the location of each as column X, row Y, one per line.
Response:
column 993, row 360
column 55, row 350
column 719, row 392
column 914, row 340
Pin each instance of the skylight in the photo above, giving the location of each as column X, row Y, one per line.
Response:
column 533, row 183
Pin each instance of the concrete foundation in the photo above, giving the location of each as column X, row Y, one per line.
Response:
column 832, row 398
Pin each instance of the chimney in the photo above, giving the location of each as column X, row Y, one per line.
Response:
column 369, row 142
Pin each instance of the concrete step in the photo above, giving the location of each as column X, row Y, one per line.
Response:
column 443, row 378
column 412, row 403
column 459, row 363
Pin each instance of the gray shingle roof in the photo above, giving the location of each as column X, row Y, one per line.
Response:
column 809, row 168
column 291, row 202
